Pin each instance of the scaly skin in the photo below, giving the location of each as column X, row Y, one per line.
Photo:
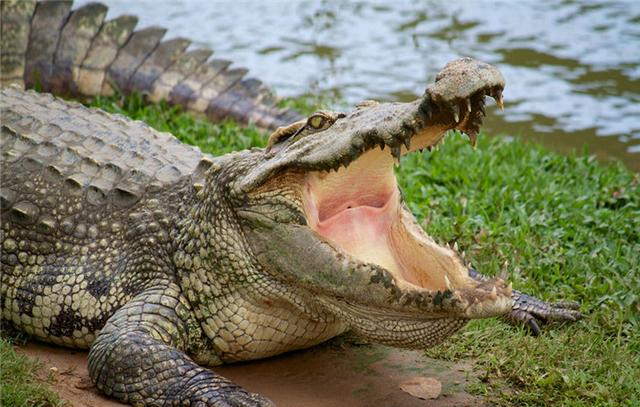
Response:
column 78, row 53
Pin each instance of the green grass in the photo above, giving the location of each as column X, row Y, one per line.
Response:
column 561, row 227
column 19, row 385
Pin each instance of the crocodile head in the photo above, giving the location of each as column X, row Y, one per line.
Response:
column 322, row 211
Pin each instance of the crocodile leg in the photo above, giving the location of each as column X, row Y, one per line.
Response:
column 528, row 310
column 138, row 357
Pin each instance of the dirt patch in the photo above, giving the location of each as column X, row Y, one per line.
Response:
column 333, row 375
column 68, row 372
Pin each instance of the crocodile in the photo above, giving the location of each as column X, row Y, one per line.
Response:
column 164, row 261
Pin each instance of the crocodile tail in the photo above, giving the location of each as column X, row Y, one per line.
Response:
column 49, row 46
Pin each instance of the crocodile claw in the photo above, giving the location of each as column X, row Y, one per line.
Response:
column 497, row 96
column 529, row 310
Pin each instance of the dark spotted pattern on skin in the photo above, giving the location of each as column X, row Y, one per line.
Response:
column 98, row 286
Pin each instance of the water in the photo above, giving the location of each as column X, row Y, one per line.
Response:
column 572, row 68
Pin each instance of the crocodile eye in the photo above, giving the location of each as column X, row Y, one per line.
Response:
column 317, row 121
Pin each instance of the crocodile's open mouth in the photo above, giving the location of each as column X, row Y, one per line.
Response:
column 364, row 217
column 359, row 210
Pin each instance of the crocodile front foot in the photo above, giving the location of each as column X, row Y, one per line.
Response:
column 139, row 357
column 529, row 310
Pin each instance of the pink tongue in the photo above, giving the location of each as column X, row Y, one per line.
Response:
column 362, row 232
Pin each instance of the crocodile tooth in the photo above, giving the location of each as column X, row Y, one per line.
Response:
column 456, row 113
column 473, row 137
column 448, row 283
column 395, row 152
column 468, row 105
column 455, row 246
column 463, row 254
column 494, row 293
column 497, row 95
column 407, row 143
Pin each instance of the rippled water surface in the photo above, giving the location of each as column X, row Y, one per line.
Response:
column 572, row 68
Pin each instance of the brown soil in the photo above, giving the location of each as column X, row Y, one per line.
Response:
column 334, row 375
